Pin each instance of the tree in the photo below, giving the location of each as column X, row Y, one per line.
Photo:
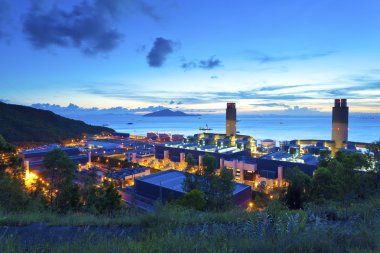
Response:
column 8, row 158
column 323, row 185
column 298, row 190
column 68, row 198
column 190, row 182
column 226, row 187
column 190, row 161
column 104, row 200
column 60, row 172
column 12, row 195
column 217, row 190
column 5, row 147
column 374, row 150
column 112, row 199
column 209, row 165
column 193, row 199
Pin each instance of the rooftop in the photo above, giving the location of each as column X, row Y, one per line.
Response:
column 207, row 148
column 47, row 148
column 173, row 179
column 125, row 172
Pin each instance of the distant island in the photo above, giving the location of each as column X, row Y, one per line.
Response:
column 169, row 113
column 24, row 124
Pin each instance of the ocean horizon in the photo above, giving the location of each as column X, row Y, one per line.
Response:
column 362, row 128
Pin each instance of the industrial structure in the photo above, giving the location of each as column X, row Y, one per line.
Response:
column 35, row 156
column 340, row 123
column 169, row 184
column 231, row 119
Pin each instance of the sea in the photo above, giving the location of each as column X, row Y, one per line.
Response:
column 362, row 128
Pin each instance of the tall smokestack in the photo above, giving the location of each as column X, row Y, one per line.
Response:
column 231, row 119
column 340, row 123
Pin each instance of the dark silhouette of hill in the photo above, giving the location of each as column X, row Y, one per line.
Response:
column 169, row 113
column 23, row 124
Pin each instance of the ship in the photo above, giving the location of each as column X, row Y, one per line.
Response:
column 206, row 128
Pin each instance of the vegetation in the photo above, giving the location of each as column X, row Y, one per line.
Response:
column 336, row 210
column 58, row 193
column 190, row 161
column 344, row 178
column 217, row 190
column 175, row 229
column 374, row 152
column 22, row 124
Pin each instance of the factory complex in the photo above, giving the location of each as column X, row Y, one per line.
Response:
column 153, row 167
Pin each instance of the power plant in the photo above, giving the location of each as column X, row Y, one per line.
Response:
column 340, row 123
column 231, row 119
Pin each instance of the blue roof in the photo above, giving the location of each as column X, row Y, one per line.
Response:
column 47, row 149
column 246, row 159
column 125, row 172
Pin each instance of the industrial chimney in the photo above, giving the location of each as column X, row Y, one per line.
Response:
column 340, row 123
column 231, row 119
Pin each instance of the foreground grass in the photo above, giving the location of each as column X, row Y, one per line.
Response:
column 219, row 240
column 353, row 228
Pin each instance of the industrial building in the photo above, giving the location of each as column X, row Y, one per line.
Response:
column 269, row 168
column 34, row 157
column 177, row 152
column 126, row 176
column 139, row 156
column 231, row 119
column 169, row 184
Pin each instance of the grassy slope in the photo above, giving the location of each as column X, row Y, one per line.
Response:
column 20, row 124
column 172, row 229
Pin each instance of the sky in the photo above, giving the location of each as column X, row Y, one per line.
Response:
column 265, row 55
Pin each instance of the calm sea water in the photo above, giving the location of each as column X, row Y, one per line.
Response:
column 361, row 128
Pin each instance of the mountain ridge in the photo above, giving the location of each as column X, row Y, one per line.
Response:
column 24, row 124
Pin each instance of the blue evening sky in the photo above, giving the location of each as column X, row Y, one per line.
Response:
column 266, row 55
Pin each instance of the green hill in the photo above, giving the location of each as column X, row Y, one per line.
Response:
column 23, row 124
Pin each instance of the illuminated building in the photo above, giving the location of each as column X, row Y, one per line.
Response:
column 231, row 119
column 340, row 123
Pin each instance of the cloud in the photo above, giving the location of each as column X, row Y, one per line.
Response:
column 90, row 26
column 356, row 87
column 148, row 9
column 190, row 97
column 173, row 102
column 280, row 87
column 159, row 52
column 4, row 19
column 302, row 111
column 266, row 58
column 272, row 105
column 189, row 65
column 75, row 110
column 210, row 63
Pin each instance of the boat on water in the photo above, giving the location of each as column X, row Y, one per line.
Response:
column 130, row 123
column 206, row 128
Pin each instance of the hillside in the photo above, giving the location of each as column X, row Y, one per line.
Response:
column 169, row 113
column 21, row 124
